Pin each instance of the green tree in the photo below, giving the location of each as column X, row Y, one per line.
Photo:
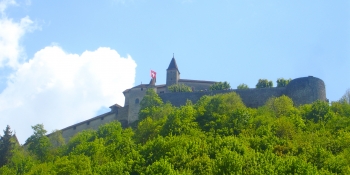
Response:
column 319, row 111
column 150, row 105
column 281, row 82
column 161, row 167
column 220, row 111
column 281, row 106
column 220, row 86
column 150, row 99
column 6, row 146
column 179, row 88
column 56, row 138
column 264, row 83
column 346, row 97
column 242, row 86
column 73, row 164
column 38, row 143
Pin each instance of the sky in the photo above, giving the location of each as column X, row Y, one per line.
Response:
column 62, row 62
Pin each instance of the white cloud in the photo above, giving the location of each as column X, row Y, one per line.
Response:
column 59, row 89
column 11, row 52
column 56, row 88
column 4, row 4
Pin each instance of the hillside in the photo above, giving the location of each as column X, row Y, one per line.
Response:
column 217, row 135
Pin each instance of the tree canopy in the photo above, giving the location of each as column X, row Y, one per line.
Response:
column 216, row 135
column 264, row 83
column 179, row 88
column 220, row 86
column 242, row 86
column 281, row 82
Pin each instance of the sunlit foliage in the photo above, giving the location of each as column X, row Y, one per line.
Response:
column 216, row 135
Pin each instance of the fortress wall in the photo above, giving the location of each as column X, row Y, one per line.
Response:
column 250, row 97
column 134, row 106
column 258, row 96
column 180, row 98
column 161, row 89
column 93, row 123
column 197, row 85
column 306, row 90
column 122, row 115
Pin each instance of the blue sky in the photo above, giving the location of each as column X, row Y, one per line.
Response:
column 64, row 62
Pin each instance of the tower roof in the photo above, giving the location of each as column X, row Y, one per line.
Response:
column 173, row 65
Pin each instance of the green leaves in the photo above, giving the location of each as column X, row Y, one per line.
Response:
column 264, row 83
column 242, row 86
column 38, row 143
column 179, row 88
column 281, row 82
column 217, row 135
column 220, row 86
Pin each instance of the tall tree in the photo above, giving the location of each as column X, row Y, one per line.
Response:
column 6, row 146
column 38, row 143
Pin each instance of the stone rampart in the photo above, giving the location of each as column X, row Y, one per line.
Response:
column 301, row 90
column 120, row 114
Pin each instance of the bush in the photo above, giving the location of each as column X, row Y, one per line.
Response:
column 264, row 83
column 242, row 86
column 179, row 88
column 220, row 86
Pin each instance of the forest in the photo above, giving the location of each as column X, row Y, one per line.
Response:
column 216, row 135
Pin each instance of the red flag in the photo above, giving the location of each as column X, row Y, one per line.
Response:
column 153, row 74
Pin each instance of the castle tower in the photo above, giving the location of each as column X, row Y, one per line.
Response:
column 134, row 96
column 172, row 74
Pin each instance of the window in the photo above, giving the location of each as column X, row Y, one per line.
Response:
column 137, row 101
column 102, row 118
column 75, row 127
column 87, row 123
column 141, row 89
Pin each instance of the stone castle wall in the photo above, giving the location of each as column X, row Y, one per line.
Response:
column 250, row 97
column 120, row 114
column 197, row 85
column 301, row 90
column 306, row 90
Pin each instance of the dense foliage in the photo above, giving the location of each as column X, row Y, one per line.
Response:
column 264, row 83
column 217, row 135
column 242, row 86
column 281, row 82
column 179, row 88
column 220, row 86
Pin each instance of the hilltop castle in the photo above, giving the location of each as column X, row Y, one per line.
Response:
column 301, row 90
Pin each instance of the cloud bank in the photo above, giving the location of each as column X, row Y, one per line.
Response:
column 59, row 89
column 56, row 88
column 11, row 53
